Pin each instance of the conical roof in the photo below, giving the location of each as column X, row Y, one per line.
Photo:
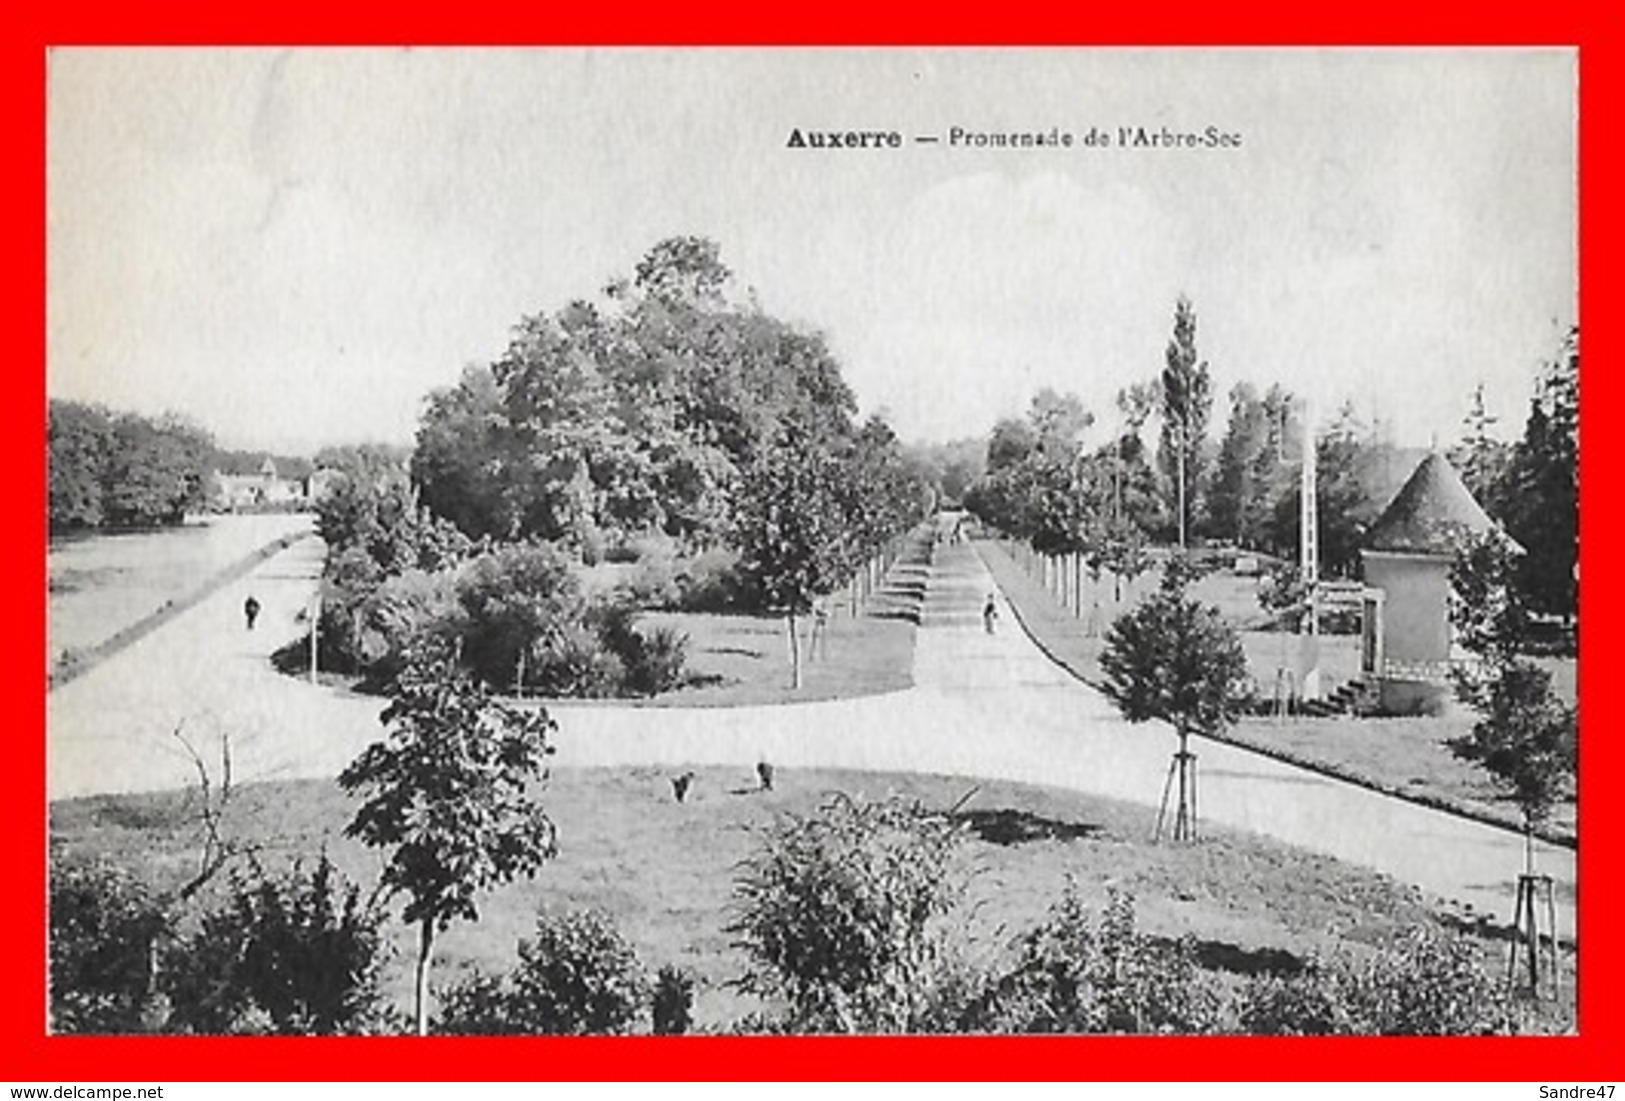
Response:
column 1432, row 508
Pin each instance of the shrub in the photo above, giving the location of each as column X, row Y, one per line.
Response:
column 672, row 1008
column 512, row 598
column 620, row 552
column 572, row 662
column 1077, row 974
column 578, row 976
column 655, row 583
column 710, row 582
column 650, row 663
column 1426, row 983
column 296, row 954
column 1305, row 1004
column 104, row 934
column 406, row 613
column 591, row 543
column 841, row 915
column 523, row 613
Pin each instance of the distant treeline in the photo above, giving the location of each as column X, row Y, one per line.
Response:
column 122, row 470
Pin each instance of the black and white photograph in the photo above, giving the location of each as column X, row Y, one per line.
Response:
column 787, row 541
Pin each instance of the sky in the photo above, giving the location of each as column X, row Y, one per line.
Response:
column 295, row 247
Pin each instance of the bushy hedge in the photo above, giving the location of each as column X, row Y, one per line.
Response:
column 576, row 976
column 105, row 932
column 843, row 916
column 515, row 616
column 848, row 917
column 298, row 953
column 708, row 581
column 1078, row 973
column 1424, row 983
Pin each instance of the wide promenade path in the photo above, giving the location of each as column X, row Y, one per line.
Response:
column 983, row 705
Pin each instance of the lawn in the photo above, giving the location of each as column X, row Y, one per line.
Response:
column 1403, row 755
column 664, row 870
column 735, row 660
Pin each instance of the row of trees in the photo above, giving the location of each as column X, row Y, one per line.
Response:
column 113, row 470
column 1041, row 484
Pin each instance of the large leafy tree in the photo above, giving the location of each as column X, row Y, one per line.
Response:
column 889, row 492
column 1542, row 510
column 375, row 530
column 1058, row 422
column 634, row 414
column 450, row 792
column 1240, row 498
column 1062, row 500
column 465, row 456
column 372, row 509
column 1039, row 485
column 79, row 441
column 1344, row 504
column 122, row 469
column 558, row 401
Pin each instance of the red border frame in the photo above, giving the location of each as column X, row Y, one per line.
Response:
column 27, row 1055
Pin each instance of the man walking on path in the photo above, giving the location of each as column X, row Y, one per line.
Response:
column 990, row 613
column 251, row 611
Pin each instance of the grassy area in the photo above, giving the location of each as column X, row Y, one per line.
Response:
column 1403, row 755
column 743, row 660
column 1407, row 756
column 735, row 660
column 664, row 870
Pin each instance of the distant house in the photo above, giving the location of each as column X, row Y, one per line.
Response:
column 320, row 483
column 263, row 489
column 1407, row 557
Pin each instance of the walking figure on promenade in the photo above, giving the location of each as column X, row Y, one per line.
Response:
column 251, row 611
column 818, row 647
column 990, row 614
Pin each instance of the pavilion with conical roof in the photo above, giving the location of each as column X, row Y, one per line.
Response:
column 1407, row 557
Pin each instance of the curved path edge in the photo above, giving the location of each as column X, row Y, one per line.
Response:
column 1331, row 771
